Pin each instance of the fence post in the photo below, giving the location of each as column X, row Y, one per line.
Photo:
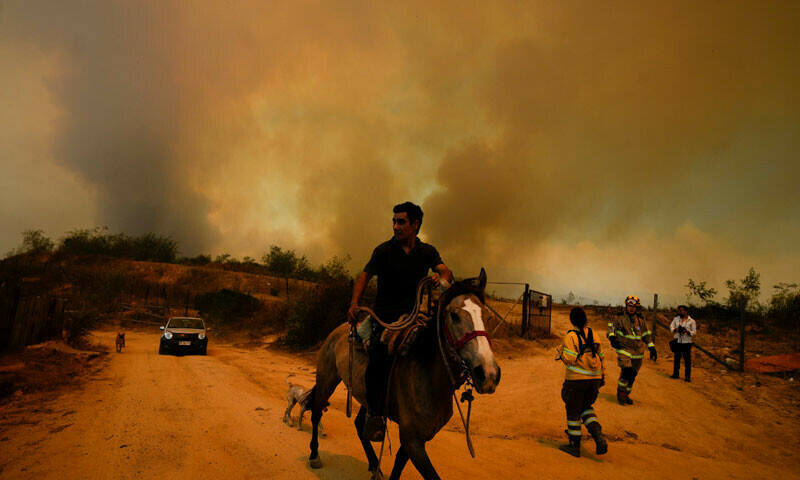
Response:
column 287, row 289
column 186, row 311
column 525, row 305
column 655, row 313
column 743, row 307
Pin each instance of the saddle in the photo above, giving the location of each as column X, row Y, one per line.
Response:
column 400, row 341
column 397, row 341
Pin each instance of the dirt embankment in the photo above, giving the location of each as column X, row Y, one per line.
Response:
column 218, row 416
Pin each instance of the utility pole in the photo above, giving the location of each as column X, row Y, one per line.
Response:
column 655, row 315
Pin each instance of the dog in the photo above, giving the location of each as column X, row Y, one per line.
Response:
column 294, row 396
column 120, row 341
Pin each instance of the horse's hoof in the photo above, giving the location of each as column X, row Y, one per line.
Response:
column 377, row 475
column 315, row 462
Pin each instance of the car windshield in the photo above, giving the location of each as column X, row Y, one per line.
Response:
column 185, row 323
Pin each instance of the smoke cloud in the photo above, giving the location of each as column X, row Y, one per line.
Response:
column 572, row 146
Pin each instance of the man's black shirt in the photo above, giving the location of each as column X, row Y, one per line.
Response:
column 399, row 273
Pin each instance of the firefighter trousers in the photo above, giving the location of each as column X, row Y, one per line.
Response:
column 579, row 396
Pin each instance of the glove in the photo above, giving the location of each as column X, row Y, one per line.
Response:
column 614, row 342
column 653, row 353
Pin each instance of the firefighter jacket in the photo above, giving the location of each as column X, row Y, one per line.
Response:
column 632, row 335
column 577, row 356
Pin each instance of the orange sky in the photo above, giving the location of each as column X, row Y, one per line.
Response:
column 603, row 148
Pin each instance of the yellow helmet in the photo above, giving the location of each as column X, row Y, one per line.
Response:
column 632, row 300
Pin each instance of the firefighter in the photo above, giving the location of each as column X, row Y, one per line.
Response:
column 628, row 334
column 585, row 374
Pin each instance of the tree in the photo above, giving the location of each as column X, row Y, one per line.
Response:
column 33, row 241
column 284, row 263
column 746, row 291
column 699, row 290
column 335, row 269
column 570, row 298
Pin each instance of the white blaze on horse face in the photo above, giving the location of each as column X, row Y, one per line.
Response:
column 474, row 311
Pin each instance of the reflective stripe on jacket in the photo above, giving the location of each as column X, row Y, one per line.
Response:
column 581, row 367
column 632, row 334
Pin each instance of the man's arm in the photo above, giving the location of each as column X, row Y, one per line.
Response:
column 692, row 330
column 358, row 290
column 443, row 272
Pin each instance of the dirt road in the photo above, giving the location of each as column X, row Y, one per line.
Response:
column 218, row 417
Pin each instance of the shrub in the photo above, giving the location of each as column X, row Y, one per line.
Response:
column 784, row 306
column 33, row 242
column 314, row 317
column 226, row 306
column 196, row 261
column 146, row 247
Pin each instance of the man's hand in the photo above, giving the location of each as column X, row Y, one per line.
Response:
column 602, row 381
column 352, row 312
column 614, row 342
column 653, row 353
column 440, row 281
column 681, row 330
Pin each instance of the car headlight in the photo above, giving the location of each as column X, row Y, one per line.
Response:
column 201, row 336
column 168, row 335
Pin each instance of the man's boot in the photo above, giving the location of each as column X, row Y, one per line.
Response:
column 574, row 446
column 628, row 399
column 374, row 428
column 622, row 397
column 599, row 440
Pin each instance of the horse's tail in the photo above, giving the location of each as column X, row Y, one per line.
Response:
column 307, row 399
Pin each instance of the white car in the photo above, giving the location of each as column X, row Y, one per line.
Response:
column 184, row 334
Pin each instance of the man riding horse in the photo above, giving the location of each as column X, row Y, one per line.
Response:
column 400, row 263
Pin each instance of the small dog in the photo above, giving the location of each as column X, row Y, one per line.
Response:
column 120, row 341
column 293, row 397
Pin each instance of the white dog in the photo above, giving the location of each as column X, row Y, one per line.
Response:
column 293, row 397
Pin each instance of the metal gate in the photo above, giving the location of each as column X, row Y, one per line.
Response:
column 539, row 308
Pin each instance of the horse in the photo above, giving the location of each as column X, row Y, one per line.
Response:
column 421, row 385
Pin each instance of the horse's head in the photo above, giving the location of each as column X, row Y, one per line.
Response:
column 465, row 332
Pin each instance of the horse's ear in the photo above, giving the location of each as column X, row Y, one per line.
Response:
column 482, row 280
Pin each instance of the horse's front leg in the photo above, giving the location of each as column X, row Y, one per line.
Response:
column 415, row 448
column 313, row 459
column 372, row 459
column 399, row 463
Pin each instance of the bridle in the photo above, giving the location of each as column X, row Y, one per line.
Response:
column 459, row 344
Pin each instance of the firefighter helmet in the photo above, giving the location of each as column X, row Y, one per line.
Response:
column 632, row 300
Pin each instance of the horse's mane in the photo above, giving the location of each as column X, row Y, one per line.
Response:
column 462, row 287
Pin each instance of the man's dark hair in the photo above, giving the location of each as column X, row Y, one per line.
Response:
column 684, row 307
column 414, row 212
column 577, row 317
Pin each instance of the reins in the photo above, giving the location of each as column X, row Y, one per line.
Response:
column 451, row 350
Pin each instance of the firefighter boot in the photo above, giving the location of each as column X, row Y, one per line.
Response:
column 574, row 446
column 622, row 397
column 599, row 440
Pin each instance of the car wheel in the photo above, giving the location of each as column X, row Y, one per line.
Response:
column 203, row 350
column 161, row 349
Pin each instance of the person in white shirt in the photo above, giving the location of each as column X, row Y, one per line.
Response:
column 684, row 329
